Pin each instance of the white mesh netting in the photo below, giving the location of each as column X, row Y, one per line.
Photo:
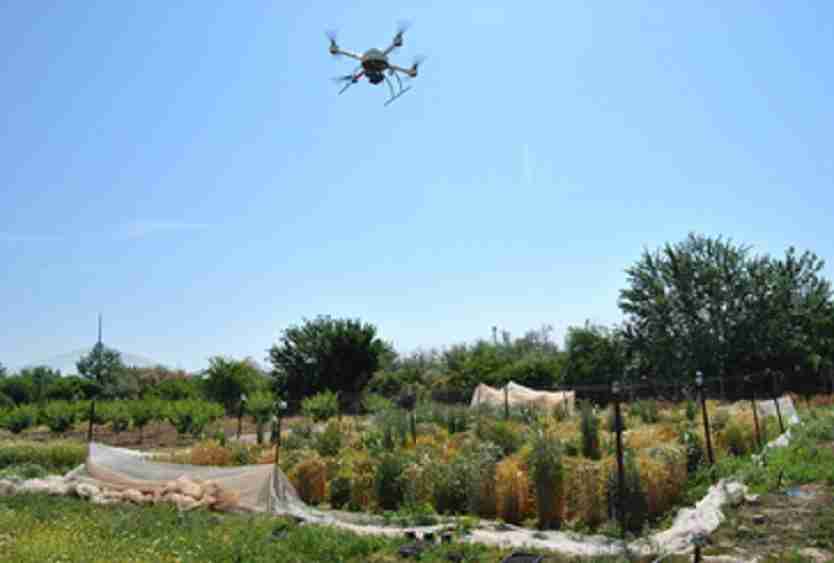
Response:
column 515, row 394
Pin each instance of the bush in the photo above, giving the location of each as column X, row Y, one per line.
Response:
column 329, row 442
column 211, row 452
column 24, row 471
column 589, row 427
column 691, row 410
column 143, row 412
column 261, row 406
column 57, row 455
column 59, row 416
column 694, row 450
column 481, row 461
column 634, row 502
column 20, row 418
column 117, row 414
column 192, row 416
column 511, row 491
column 309, row 478
column 388, row 484
column 340, row 491
column 373, row 403
column 321, row 406
column 546, row 472
column 646, row 410
column 502, row 433
column 450, row 485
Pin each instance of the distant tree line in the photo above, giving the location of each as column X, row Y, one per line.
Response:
column 702, row 304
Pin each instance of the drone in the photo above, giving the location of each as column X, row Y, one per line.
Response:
column 374, row 65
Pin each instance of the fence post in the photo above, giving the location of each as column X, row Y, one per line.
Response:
column 776, row 402
column 279, row 409
column 699, row 384
column 92, row 417
column 618, row 428
column 755, row 411
column 240, row 415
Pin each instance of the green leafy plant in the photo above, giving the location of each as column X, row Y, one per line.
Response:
column 634, row 501
column 59, row 416
column 388, row 485
column 589, row 428
column 546, row 464
column 20, row 418
column 329, row 441
column 691, row 410
column 144, row 412
column 261, row 407
column 321, row 406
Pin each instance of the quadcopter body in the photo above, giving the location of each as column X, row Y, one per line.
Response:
column 375, row 66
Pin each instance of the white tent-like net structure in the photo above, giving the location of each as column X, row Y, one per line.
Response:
column 255, row 488
column 515, row 394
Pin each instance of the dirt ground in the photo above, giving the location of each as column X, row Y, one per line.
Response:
column 779, row 526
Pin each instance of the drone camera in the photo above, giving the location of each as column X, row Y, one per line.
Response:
column 398, row 40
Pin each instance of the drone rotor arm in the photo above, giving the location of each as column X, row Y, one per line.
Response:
column 351, row 54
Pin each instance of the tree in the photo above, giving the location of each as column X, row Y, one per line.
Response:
column 596, row 355
column 104, row 367
column 41, row 377
column 261, row 406
column 227, row 379
column 707, row 304
column 339, row 355
column 3, row 371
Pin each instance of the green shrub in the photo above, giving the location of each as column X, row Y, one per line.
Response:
column 480, row 462
column 694, row 450
column 321, row 406
column 143, row 412
column 192, row 416
column 374, row 403
column 340, row 491
column 328, row 442
column 589, row 428
column 719, row 420
column 24, row 471
column 117, row 414
column 503, row 434
column 451, row 485
column 635, row 502
column 736, row 439
column 20, row 418
column 56, row 455
column 691, row 410
column 646, row 409
column 59, row 416
column 388, row 485
column 260, row 406
column 546, row 472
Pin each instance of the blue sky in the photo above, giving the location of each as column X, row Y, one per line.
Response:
column 189, row 171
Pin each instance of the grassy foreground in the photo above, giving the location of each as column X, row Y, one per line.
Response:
column 39, row 528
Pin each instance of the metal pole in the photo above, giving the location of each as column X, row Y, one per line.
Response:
column 755, row 415
column 618, row 427
column 92, row 417
column 699, row 383
column 776, row 402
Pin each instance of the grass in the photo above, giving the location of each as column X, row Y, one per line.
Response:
column 58, row 456
column 37, row 528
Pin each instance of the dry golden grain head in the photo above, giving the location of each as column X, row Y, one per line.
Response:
column 309, row 478
column 512, row 489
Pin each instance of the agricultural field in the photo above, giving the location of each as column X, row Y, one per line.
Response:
column 364, row 450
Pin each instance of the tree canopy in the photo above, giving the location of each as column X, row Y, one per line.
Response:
column 706, row 303
column 103, row 366
column 339, row 355
column 227, row 379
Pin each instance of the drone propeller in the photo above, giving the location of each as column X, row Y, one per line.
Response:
column 334, row 47
column 418, row 60
column 402, row 27
column 345, row 78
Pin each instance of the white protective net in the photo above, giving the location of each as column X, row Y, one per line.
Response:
column 515, row 394
column 258, row 488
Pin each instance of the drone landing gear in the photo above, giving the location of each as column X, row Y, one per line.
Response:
column 400, row 90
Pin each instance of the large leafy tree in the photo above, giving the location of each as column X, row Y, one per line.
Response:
column 41, row 378
column 321, row 354
column 104, row 367
column 2, row 370
column 596, row 355
column 227, row 379
column 706, row 303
